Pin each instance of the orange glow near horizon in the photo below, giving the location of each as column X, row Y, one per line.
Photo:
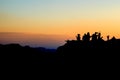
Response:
column 62, row 27
column 61, row 17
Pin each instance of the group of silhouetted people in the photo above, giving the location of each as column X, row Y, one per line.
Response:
column 90, row 42
column 87, row 37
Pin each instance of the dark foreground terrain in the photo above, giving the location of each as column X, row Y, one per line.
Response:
column 85, row 52
column 15, row 54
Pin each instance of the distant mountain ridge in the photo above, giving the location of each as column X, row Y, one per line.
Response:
column 33, row 40
column 15, row 54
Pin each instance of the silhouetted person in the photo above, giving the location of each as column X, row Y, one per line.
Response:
column 108, row 37
column 95, row 36
column 84, row 37
column 99, row 36
column 88, row 37
column 78, row 37
column 113, row 38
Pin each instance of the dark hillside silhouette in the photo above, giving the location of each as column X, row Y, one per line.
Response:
column 92, row 50
column 86, row 50
column 15, row 54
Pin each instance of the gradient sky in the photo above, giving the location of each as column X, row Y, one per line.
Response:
column 63, row 17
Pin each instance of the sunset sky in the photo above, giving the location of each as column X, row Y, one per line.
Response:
column 60, row 17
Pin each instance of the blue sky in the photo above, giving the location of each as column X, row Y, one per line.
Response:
column 48, row 7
